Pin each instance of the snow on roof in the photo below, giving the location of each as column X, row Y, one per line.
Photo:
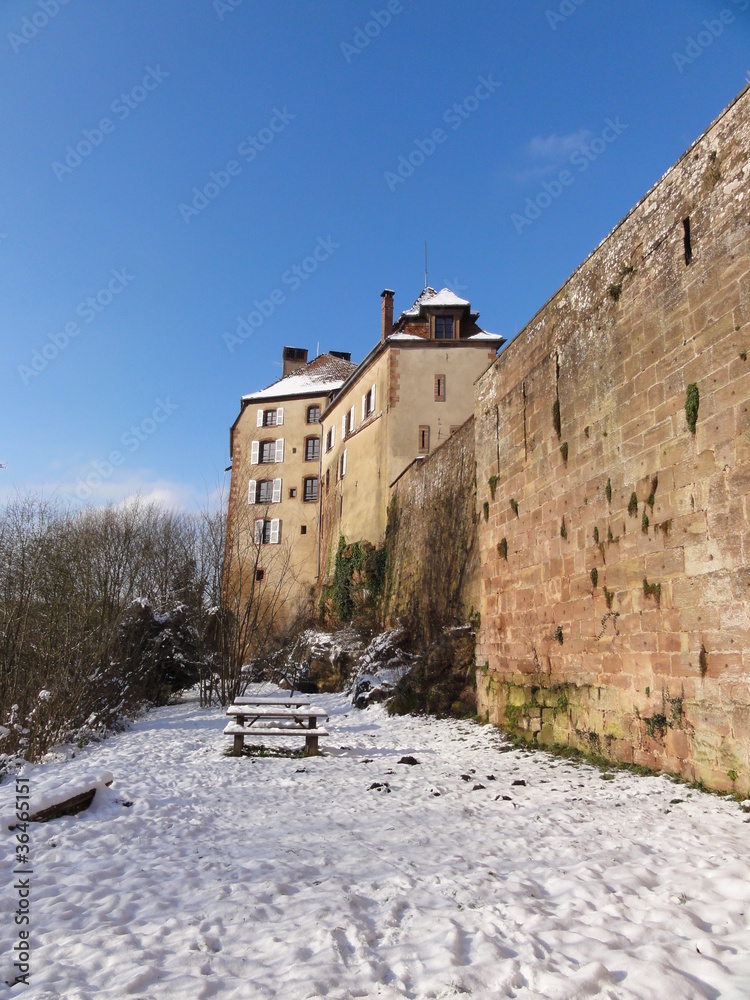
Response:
column 321, row 376
column 485, row 335
column 429, row 297
column 405, row 336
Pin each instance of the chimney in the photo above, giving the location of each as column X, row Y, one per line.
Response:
column 387, row 312
column 294, row 358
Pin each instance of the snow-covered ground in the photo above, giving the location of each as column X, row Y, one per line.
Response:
column 281, row 877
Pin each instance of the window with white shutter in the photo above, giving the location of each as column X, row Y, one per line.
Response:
column 280, row 416
column 251, row 491
column 260, row 418
column 280, row 450
column 364, row 406
column 352, row 419
column 343, row 426
column 254, row 448
column 343, row 464
column 372, row 403
column 259, row 532
column 276, row 491
column 275, row 530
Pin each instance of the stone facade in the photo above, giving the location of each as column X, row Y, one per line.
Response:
column 615, row 571
column 433, row 573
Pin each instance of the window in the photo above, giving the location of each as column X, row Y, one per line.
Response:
column 310, row 489
column 271, row 418
column 368, row 403
column 313, row 414
column 328, row 479
column 440, row 388
column 292, row 492
column 424, row 439
column 303, row 529
column 347, row 423
column 330, row 438
column 267, row 452
column 264, row 491
column 686, row 241
column 259, row 574
column 443, row 328
column 342, row 464
column 267, row 531
column 312, row 449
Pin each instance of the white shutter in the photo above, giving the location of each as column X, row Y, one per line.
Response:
column 352, row 418
column 343, row 427
column 373, row 397
column 258, row 532
column 280, row 450
column 254, row 452
column 333, row 435
column 343, row 464
column 251, row 491
column 364, row 407
column 260, row 419
column 280, row 416
column 275, row 525
column 276, row 491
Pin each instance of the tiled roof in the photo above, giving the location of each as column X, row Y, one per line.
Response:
column 429, row 297
column 323, row 375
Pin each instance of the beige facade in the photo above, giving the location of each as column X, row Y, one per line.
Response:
column 404, row 400
column 275, row 488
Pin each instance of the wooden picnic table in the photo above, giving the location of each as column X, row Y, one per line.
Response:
column 266, row 719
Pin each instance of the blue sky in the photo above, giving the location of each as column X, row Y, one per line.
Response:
column 123, row 278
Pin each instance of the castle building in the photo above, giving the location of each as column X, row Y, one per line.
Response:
column 275, row 487
column 414, row 388
column 316, row 455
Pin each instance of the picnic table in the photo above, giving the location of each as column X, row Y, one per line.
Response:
column 276, row 716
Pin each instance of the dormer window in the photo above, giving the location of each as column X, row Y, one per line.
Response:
column 443, row 328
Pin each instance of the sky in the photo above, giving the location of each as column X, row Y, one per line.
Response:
column 187, row 187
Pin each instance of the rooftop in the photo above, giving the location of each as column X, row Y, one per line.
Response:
column 323, row 375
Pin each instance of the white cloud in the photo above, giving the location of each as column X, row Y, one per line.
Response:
column 557, row 147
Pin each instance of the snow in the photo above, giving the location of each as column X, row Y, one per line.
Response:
column 323, row 375
column 485, row 335
column 199, row 875
column 429, row 297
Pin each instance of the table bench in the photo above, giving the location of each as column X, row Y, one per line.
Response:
column 274, row 717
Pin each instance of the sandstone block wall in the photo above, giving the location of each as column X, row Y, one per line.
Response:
column 433, row 559
column 615, row 561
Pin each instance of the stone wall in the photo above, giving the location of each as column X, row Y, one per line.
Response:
column 615, row 572
column 432, row 574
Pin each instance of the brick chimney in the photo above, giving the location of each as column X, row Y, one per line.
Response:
column 387, row 324
column 294, row 358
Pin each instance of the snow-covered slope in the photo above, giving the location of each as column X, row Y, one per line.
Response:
column 280, row 877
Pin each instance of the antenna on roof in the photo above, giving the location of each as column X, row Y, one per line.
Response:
column 425, row 263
